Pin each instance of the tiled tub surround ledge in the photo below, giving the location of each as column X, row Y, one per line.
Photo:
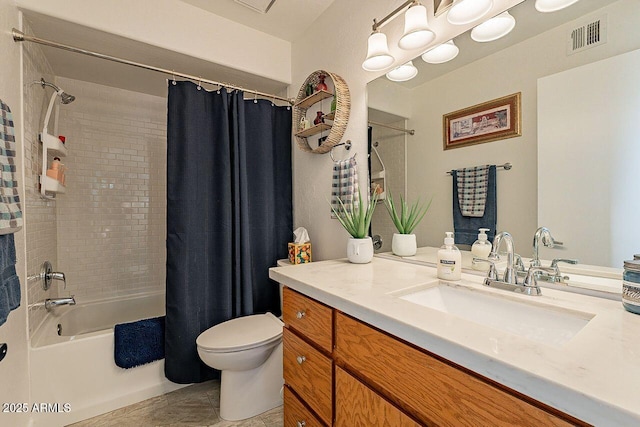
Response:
column 593, row 376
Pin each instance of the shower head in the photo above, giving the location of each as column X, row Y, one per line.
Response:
column 65, row 98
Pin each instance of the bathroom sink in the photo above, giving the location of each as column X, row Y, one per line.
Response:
column 545, row 324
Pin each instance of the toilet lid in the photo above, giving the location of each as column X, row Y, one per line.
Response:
column 241, row 333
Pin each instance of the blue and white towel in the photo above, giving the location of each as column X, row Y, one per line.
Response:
column 9, row 281
column 472, row 190
column 10, row 209
column 344, row 185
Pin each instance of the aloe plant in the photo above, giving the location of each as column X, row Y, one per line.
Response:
column 406, row 218
column 355, row 218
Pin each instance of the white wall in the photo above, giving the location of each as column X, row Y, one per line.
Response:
column 584, row 136
column 14, row 367
column 516, row 69
column 180, row 27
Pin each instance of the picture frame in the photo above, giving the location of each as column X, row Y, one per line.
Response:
column 489, row 121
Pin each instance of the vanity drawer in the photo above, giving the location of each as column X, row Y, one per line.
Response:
column 432, row 391
column 358, row 405
column 309, row 373
column 312, row 319
column 296, row 414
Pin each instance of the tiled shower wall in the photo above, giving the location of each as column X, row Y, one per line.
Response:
column 111, row 222
column 391, row 147
column 39, row 214
column 107, row 232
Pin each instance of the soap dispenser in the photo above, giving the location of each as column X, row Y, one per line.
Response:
column 481, row 249
column 449, row 260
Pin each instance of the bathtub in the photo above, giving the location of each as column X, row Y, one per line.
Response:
column 72, row 367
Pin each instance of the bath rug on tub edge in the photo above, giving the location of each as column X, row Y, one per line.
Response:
column 138, row 343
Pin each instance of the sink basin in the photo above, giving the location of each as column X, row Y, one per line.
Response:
column 546, row 324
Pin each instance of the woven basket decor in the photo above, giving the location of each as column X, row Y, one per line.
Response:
column 340, row 120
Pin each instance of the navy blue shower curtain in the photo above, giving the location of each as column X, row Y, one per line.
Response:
column 229, row 215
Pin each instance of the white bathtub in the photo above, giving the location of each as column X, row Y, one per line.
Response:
column 77, row 367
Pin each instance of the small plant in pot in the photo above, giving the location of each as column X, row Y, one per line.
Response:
column 355, row 218
column 406, row 218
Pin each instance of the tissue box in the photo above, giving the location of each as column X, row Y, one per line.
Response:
column 299, row 253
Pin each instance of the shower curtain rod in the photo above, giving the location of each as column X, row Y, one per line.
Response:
column 19, row 36
column 409, row 131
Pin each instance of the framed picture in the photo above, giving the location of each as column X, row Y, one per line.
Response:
column 489, row 121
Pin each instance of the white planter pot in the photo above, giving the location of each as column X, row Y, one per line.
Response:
column 404, row 244
column 360, row 251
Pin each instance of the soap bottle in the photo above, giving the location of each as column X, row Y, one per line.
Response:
column 449, row 260
column 481, row 248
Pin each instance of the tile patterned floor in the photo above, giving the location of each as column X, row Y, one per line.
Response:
column 195, row 405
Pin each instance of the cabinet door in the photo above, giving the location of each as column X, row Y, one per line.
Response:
column 358, row 405
column 309, row 373
column 432, row 391
column 312, row 319
column 296, row 414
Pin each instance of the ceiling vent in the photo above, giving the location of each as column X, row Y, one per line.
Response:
column 588, row 35
column 261, row 6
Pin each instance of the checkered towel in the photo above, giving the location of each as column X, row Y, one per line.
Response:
column 345, row 184
column 472, row 190
column 10, row 210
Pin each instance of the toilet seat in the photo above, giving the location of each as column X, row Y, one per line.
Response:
column 242, row 333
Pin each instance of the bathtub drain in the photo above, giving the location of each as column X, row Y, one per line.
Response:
column 59, row 329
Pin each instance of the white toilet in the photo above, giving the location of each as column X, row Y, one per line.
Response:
column 248, row 351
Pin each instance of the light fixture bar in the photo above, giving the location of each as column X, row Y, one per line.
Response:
column 377, row 24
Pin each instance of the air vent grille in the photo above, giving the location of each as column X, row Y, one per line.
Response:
column 587, row 35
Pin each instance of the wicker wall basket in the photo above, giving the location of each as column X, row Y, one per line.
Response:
column 343, row 107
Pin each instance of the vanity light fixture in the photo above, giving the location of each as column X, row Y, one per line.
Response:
column 464, row 12
column 378, row 56
column 417, row 34
column 553, row 5
column 443, row 52
column 494, row 28
column 403, row 73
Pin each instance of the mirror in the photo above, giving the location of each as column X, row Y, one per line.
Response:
column 535, row 50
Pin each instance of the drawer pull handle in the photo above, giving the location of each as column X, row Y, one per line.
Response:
column 300, row 314
column 301, row 359
column 301, row 423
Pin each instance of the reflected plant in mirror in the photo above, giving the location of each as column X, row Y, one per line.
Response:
column 553, row 182
column 406, row 218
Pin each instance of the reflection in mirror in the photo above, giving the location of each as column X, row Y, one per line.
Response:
column 538, row 47
column 386, row 169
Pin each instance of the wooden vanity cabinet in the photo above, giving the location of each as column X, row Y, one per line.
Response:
column 308, row 366
column 340, row 371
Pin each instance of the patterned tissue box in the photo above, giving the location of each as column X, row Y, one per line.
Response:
column 299, row 253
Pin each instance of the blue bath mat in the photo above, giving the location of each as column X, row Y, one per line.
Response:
column 140, row 342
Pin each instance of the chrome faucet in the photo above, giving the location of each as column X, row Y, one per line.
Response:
column 50, row 303
column 509, row 272
column 509, row 280
column 542, row 235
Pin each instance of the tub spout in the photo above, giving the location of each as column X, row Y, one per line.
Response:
column 50, row 303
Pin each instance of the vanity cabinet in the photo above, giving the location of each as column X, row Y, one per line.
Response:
column 308, row 365
column 343, row 372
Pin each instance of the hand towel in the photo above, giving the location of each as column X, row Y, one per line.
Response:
column 9, row 281
column 10, row 210
column 472, row 190
column 466, row 227
column 344, row 184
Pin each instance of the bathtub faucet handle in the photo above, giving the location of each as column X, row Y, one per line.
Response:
column 58, row 276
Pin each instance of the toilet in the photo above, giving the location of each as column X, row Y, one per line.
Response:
column 248, row 351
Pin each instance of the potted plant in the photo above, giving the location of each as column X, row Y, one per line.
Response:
column 356, row 219
column 406, row 218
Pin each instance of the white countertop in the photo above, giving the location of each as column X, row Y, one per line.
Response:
column 595, row 376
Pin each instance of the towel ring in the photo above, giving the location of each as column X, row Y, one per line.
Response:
column 347, row 146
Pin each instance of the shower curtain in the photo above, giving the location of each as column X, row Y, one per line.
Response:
column 229, row 215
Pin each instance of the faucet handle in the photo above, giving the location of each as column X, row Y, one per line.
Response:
column 554, row 263
column 531, row 280
column 492, row 274
column 519, row 265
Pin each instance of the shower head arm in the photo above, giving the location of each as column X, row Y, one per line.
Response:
column 48, row 115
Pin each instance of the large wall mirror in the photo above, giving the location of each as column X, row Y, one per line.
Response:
column 552, row 171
